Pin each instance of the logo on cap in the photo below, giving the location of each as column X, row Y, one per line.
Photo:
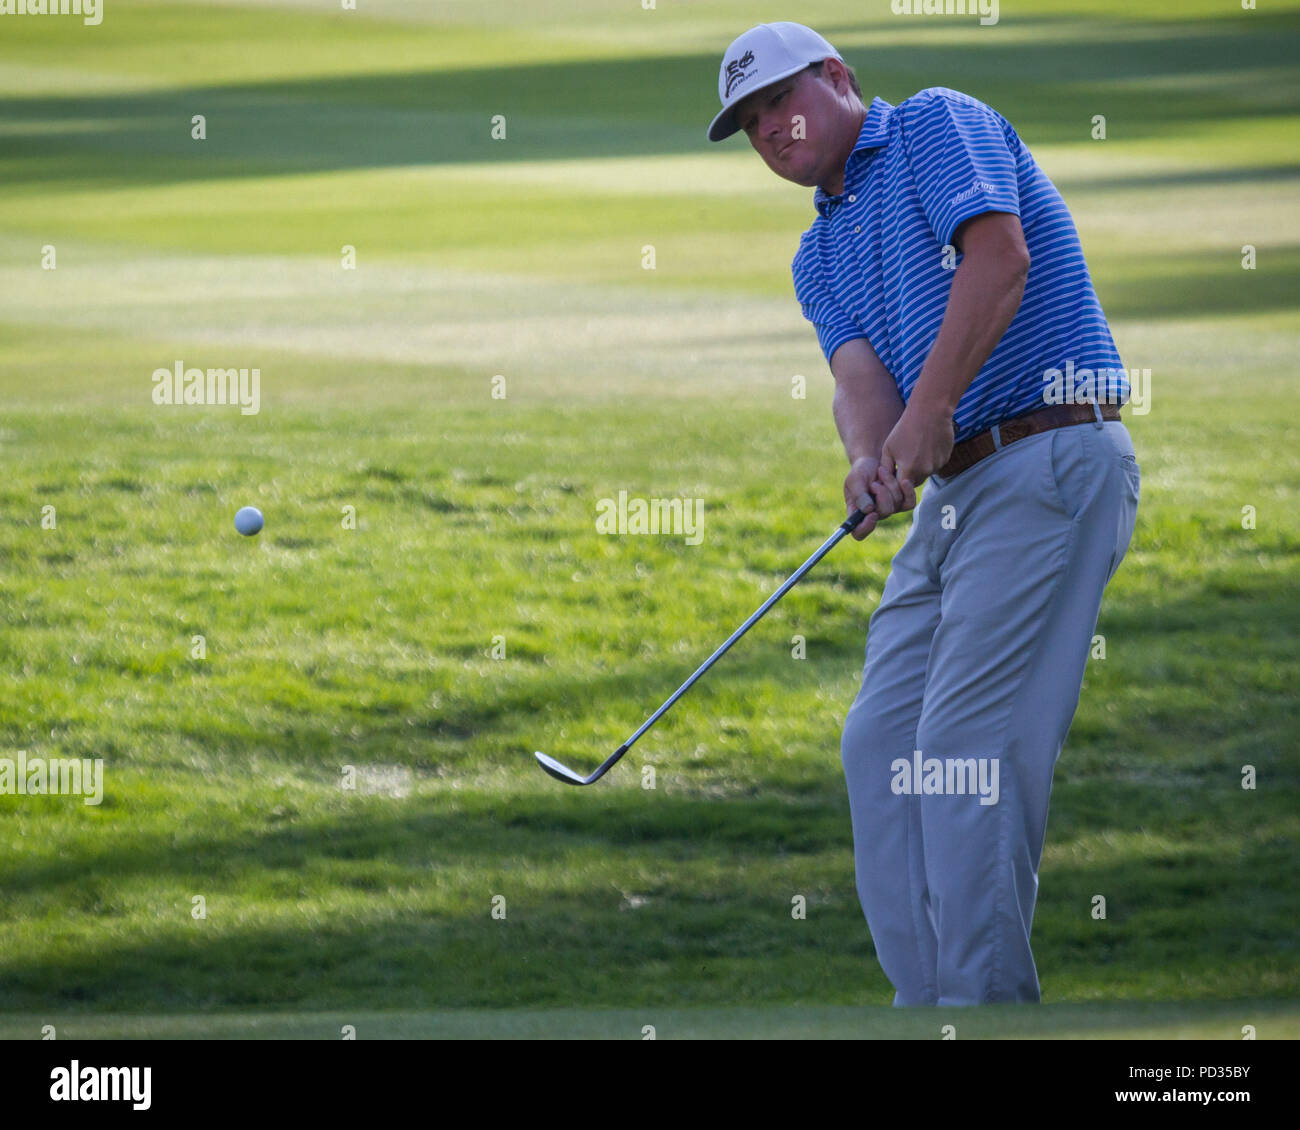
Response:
column 736, row 72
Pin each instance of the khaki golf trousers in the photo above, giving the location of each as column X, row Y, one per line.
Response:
column 975, row 658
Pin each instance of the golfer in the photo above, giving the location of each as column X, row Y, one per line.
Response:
column 949, row 292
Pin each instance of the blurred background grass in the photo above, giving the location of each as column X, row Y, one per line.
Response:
column 329, row 647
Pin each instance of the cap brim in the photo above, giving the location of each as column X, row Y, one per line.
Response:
column 724, row 124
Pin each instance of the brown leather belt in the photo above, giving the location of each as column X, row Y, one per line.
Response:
column 970, row 451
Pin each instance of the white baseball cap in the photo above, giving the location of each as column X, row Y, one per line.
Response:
column 763, row 55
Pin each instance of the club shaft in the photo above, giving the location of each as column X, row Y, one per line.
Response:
column 826, row 546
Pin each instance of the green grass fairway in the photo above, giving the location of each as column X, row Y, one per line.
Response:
column 471, row 613
column 1201, row 1020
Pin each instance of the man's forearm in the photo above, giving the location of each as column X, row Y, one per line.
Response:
column 865, row 410
column 985, row 295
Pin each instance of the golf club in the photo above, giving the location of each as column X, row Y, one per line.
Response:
column 569, row 777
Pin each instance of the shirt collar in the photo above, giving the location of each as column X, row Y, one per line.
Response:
column 874, row 134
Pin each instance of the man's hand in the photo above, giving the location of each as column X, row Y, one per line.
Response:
column 919, row 445
column 859, row 479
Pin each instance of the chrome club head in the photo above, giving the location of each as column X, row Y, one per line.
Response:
column 569, row 777
column 558, row 771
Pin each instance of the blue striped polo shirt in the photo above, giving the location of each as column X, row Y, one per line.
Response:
column 873, row 262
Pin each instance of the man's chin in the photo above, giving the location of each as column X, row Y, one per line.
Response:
column 795, row 175
column 805, row 180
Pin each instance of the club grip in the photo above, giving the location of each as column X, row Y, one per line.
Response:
column 865, row 507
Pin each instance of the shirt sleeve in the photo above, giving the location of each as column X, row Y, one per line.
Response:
column 961, row 160
column 833, row 325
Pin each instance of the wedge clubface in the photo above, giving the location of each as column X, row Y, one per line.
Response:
column 563, row 773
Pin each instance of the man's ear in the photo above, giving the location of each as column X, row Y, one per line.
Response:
column 835, row 71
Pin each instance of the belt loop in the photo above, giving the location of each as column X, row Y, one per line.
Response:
column 1096, row 411
column 996, row 432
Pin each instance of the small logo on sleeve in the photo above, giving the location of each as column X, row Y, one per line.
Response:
column 977, row 186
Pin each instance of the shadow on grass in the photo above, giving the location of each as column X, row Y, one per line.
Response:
column 1258, row 175
column 1275, row 1019
column 1184, row 284
column 635, row 107
column 714, row 926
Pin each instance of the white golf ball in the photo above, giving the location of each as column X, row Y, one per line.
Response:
column 248, row 520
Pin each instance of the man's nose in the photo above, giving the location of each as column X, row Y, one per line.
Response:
column 770, row 125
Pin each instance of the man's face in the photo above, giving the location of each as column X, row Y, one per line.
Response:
column 771, row 119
